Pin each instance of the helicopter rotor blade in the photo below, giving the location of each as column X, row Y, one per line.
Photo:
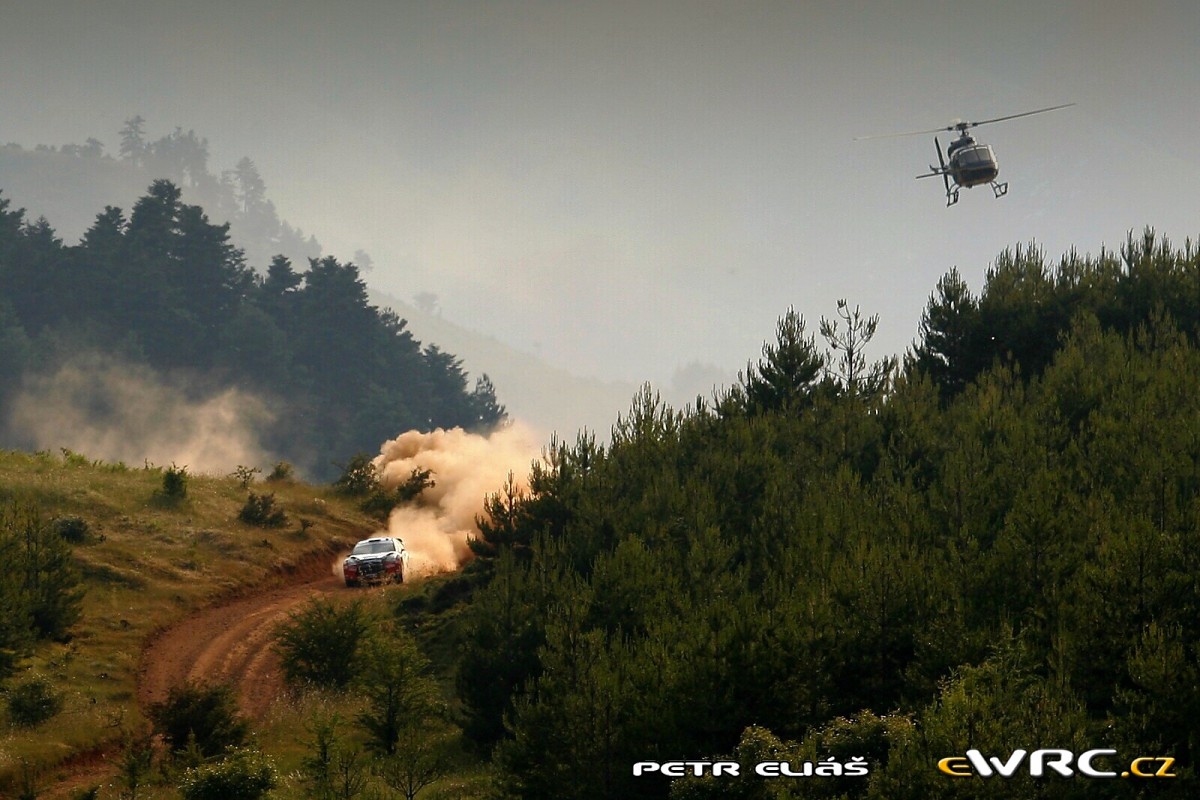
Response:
column 961, row 125
column 1014, row 116
column 906, row 133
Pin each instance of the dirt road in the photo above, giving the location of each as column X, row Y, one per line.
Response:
column 232, row 642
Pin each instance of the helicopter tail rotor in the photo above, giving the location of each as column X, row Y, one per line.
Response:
column 942, row 165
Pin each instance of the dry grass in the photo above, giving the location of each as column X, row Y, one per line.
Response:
column 147, row 563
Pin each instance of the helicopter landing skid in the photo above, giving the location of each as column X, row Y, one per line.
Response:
column 999, row 189
column 951, row 198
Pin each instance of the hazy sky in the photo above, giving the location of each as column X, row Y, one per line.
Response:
column 625, row 188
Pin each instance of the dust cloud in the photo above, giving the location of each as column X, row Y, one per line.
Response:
column 106, row 409
column 466, row 468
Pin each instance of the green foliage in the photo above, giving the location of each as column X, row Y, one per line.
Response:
column 282, row 471
column 379, row 502
column 403, row 697
column 967, row 551
column 244, row 474
column 75, row 530
column 322, row 645
column 502, row 525
column 137, row 758
column 847, row 363
column 165, row 286
column 359, row 476
column 948, row 329
column 174, row 483
column 423, row 754
column 205, row 715
column 16, row 623
column 260, row 510
column 788, row 372
column 331, row 770
column 46, row 593
column 33, row 701
column 242, row 774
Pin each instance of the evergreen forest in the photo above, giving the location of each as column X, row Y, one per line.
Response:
column 162, row 287
column 992, row 544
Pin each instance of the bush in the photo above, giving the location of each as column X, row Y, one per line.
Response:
column 260, row 510
column 33, row 702
column 283, row 471
column 380, row 502
column 43, row 582
column 174, row 482
column 244, row 774
column 358, row 477
column 244, row 474
column 75, row 530
column 319, row 646
column 207, row 714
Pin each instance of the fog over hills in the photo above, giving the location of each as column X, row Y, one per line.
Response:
column 626, row 188
column 69, row 191
column 550, row 399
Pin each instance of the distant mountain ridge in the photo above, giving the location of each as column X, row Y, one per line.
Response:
column 550, row 399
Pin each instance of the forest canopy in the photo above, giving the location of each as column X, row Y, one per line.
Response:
column 163, row 288
column 992, row 545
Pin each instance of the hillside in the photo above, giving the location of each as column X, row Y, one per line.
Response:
column 153, row 324
column 866, row 568
column 145, row 562
column 870, row 568
column 70, row 186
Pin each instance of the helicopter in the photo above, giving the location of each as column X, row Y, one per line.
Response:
column 967, row 162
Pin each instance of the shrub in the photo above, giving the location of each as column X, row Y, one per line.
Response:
column 245, row 474
column 43, row 585
column 283, row 471
column 75, row 530
column 332, row 770
column 260, row 510
column 32, row 702
column 358, row 477
column 206, row 714
column 244, row 774
column 380, row 502
column 174, row 483
column 136, row 762
column 319, row 645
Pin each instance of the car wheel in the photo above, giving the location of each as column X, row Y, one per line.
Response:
column 351, row 583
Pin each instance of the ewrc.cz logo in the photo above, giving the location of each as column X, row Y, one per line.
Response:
column 1058, row 761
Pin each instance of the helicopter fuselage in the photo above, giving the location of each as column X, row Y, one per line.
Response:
column 971, row 163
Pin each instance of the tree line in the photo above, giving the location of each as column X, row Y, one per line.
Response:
column 165, row 287
column 993, row 544
column 237, row 195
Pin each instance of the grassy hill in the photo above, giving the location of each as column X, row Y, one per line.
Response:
column 146, row 562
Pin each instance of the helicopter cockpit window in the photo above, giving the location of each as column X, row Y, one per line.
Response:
column 977, row 155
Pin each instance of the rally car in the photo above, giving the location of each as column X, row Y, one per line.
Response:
column 375, row 561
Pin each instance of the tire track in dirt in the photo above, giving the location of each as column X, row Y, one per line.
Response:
column 232, row 642
column 228, row 642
